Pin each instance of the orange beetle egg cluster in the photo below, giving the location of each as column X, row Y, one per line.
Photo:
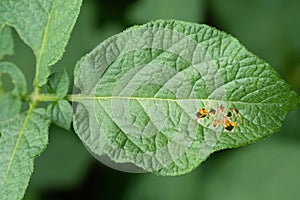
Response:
column 219, row 117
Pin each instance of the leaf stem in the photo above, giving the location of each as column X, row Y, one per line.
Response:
column 74, row 97
column 48, row 97
column 36, row 97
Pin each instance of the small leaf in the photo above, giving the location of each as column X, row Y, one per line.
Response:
column 10, row 103
column 45, row 26
column 6, row 44
column 58, row 83
column 61, row 113
column 9, row 106
column 167, row 94
column 22, row 139
column 17, row 77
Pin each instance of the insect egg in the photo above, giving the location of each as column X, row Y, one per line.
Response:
column 212, row 111
column 201, row 113
column 229, row 125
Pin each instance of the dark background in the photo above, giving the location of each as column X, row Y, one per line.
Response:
column 269, row 169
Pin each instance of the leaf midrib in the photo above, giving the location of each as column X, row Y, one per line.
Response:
column 22, row 130
column 41, row 52
column 78, row 98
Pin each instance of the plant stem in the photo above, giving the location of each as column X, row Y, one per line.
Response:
column 36, row 97
column 48, row 97
column 53, row 97
column 74, row 97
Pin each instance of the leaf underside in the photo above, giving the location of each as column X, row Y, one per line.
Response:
column 60, row 113
column 167, row 94
column 58, row 83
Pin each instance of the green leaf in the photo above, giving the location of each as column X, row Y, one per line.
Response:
column 9, row 106
column 77, row 66
column 58, row 83
column 22, row 139
column 10, row 102
column 6, row 44
column 45, row 26
column 61, row 113
column 167, row 94
column 17, row 77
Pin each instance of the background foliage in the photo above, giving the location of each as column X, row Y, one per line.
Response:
column 265, row 170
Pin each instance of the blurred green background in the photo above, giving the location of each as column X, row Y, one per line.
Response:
column 269, row 169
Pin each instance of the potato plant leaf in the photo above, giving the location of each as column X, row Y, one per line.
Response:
column 10, row 101
column 17, row 77
column 43, row 25
column 9, row 106
column 58, row 83
column 167, row 94
column 6, row 44
column 61, row 113
column 23, row 138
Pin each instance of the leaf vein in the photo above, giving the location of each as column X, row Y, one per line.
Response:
column 22, row 130
column 41, row 51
